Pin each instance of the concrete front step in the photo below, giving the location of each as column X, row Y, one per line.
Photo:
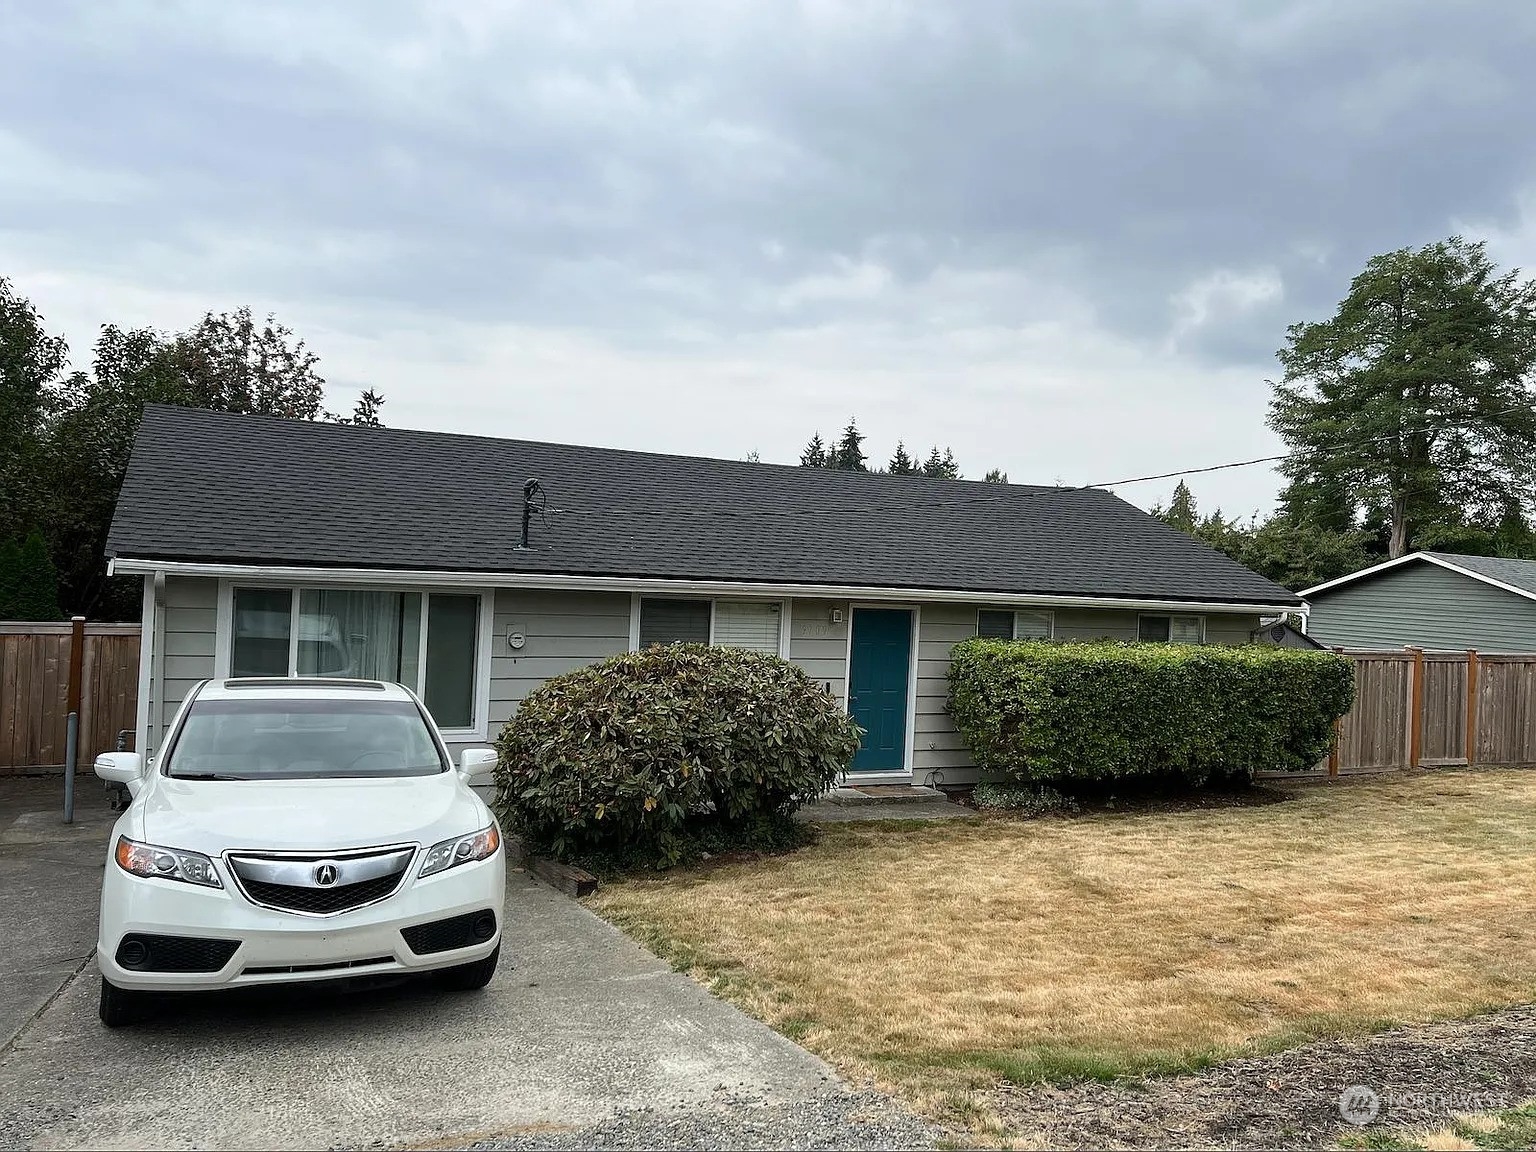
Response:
column 859, row 794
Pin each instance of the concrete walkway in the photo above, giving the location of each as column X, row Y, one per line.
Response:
column 580, row 1025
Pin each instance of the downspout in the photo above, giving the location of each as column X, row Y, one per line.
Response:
column 157, row 704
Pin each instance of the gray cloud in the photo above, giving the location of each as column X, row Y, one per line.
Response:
column 734, row 179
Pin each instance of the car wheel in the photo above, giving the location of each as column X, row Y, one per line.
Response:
column 118, row 1006
column 470, row 977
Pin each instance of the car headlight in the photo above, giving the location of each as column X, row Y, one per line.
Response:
column 451, row 853
column 166, row 863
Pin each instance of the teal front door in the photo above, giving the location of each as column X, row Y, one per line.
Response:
column 880, row 661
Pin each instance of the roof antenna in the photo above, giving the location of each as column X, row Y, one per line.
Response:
column 532, row 488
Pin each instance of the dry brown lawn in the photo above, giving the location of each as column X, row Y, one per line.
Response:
column 942, row 957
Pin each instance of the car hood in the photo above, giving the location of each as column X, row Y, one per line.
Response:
column 301, row 815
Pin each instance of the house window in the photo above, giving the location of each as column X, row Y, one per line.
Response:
column 1171, row 630
column 674, row 622
column 1002, row 624
column 752, row 624
column 428, row 641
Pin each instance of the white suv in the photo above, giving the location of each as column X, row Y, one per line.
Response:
column 298, row 830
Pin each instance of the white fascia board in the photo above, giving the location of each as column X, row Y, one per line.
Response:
column 631, row 584
column 1428, row 558
column 1362, row 574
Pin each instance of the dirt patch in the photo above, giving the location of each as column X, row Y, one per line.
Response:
column 1422, row 1076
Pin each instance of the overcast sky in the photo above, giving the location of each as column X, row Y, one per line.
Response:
column 1063, row 238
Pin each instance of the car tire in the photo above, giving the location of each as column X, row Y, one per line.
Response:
column 118, row 1006
column 470, row 977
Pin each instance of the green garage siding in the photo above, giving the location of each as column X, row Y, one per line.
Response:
column 1424, row 604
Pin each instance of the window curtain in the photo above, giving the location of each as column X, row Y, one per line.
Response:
column 364, row 634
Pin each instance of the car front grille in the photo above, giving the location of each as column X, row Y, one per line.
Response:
column 315, row 884
column 147, row 952
column 454, row 932
column 320, row 901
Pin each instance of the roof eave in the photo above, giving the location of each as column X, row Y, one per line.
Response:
column 128, row 565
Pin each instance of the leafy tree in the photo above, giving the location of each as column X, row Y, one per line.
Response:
column 901, row 464
column 30, row 363
column 848, row 454
column 815, row 454
column 944, row 467
column 996, row 476
column 1415, row 395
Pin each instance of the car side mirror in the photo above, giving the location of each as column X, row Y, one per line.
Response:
column 122, row 768
column 476, row 765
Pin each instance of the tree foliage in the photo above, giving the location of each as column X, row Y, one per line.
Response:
column 815, row 454
column 901, row 464
column 847, row 454
column 1415, row 397
column 66, row 435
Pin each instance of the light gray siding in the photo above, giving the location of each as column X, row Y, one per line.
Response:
column 819, row 644
column 562, row 631
column 1424, row 604
column 191, row 603
column 936, row 746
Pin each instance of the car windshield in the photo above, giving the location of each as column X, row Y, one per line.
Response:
column 303, row 739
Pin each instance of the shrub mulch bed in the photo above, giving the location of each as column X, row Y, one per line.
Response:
column 1422, row 1075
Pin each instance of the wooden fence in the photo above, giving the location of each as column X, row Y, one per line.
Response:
column 1422, row 709
column 35, row 668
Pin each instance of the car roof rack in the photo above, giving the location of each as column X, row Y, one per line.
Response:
column 302, row 682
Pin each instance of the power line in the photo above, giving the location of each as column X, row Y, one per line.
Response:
column 1325, row 448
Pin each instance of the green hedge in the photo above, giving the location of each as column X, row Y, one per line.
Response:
column 1041, row 711
column 654, row 756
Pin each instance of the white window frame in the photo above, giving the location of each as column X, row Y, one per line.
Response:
column 784, row 615
column 1170, row 617
column 1050, row 620
column 224, row 637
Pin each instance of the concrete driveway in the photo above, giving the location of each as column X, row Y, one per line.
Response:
column 579, row 1026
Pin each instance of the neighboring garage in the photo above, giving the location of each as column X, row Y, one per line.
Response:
column 1435, row 600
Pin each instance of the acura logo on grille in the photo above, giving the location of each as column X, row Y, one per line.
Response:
column 325, row 874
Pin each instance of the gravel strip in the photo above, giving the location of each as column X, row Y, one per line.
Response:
column 861, row 1120
column 1421, row 1076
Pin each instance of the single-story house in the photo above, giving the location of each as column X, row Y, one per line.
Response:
column 472, row 569
column 1435, row 600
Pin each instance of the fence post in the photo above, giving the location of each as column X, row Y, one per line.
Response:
column 72, row 724
column 1416, row 707
column 1471, row 706
column 1338, row 729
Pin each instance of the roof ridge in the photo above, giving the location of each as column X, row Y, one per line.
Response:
column 182, row 410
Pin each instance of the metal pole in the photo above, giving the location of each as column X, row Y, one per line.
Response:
column 71, row 752
column 72, row 733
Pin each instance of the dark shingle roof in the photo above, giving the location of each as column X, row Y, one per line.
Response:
column 1519, row 573
column 252, row 489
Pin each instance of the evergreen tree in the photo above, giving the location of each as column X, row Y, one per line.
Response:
column 10, row 579
column 1415, row 394
column 366, row 412
column 815, row 454
column 1182, row 512
column 942, row 466
column 848, row 455
column 902, row 464
column 996, row 476
column 39, row 599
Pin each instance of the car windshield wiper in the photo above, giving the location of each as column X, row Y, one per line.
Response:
column 205, row 776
